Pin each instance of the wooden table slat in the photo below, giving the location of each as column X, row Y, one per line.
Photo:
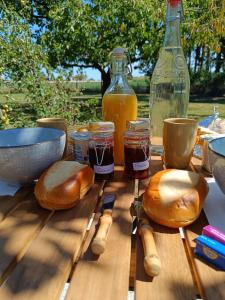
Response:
column 45, row 267
column 16, row 233
column 176, row 284
column 39, row 248
column 107, row 276
column 8, row 203
column 175, row 280
column 212, row 280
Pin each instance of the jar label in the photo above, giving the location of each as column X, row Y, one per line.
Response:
column 104, row 169
column 81, row 151
column 78, row 152
column 142, row 165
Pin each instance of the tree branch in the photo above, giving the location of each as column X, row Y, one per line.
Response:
column 71, row 65
column 135, row 59
column 98, row 67
column 38, row 17
column 80, row 65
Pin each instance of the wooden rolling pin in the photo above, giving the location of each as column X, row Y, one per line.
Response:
column 152, row 262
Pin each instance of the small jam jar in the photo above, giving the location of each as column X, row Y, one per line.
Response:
column 101, row 149
column 136, row 153
column 80, row 146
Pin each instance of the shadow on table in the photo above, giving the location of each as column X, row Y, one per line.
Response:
column 49, row 242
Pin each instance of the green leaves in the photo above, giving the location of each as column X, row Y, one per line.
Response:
column 40, row 36
column 26, row 65
column 4, row 116
column 204, row 22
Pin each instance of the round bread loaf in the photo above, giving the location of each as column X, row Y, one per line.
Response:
column 63, row 184
column 174, row 198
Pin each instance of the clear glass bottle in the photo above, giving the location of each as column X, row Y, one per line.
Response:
column 170, row 82
column 119, row 103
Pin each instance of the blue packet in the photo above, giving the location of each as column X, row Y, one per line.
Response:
column 206, row 122
column 211, row 250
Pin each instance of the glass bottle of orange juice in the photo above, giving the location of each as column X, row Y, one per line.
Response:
column 119, row 103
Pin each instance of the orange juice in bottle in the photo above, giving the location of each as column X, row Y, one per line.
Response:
column 119, row 103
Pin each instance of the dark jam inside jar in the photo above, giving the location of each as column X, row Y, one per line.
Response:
column 136, row 155
column 101, row 158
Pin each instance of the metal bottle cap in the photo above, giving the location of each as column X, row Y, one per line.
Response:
column 119, row 51
column 122, row 54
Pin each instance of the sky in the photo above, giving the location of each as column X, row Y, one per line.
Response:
column 96, row 75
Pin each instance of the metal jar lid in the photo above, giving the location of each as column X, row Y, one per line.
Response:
column 138, row 125
column 137, row 134
column 80, row 135
column 101, row 127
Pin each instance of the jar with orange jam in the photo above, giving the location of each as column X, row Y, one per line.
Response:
column 137, row 151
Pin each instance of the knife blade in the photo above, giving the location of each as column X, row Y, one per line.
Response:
column 99, row 242
column 152, row 263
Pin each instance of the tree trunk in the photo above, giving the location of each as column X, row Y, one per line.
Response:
column 201, row 57
column 197, row 55
column 219, row 62
column 189, row 59
column 207, row 61
column 220, row 57
column 105, row 80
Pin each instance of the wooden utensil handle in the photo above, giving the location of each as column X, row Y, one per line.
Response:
column 152, row 262
column 99, row 243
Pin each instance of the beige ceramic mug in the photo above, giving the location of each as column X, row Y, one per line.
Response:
column 58, row 123
column 179, row 138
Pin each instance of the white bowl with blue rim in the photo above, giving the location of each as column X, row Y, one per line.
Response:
column 26, row 152
column 217, row 160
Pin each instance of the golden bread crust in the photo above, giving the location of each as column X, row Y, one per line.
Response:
column 66, row 194
column 185, row 206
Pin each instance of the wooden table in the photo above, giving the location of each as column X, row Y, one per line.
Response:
column 40, row 251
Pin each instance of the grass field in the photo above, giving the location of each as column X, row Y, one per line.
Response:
column 199, row 107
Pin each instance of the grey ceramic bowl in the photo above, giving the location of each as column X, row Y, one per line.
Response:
column 217, row 161
column 26, row 152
